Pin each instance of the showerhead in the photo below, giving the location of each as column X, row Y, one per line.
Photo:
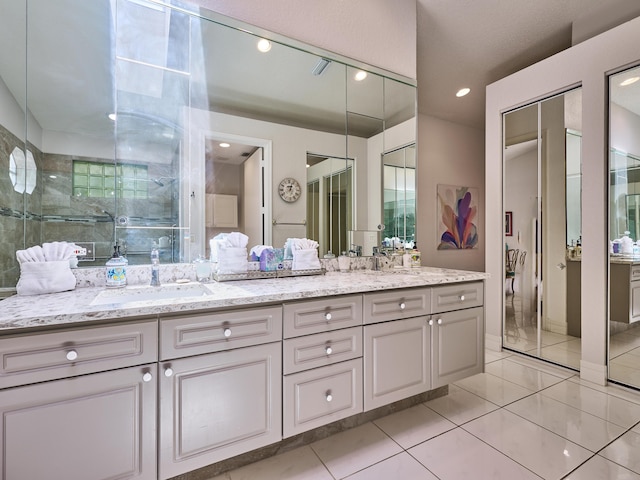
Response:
column 159, row 181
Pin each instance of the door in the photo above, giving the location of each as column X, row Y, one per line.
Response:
column 397, row 360
column 93, row 427
column 219, row 405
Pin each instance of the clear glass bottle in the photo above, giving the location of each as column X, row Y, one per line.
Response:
column 155, row 266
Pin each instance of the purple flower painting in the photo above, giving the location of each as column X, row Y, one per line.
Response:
column 457, row 211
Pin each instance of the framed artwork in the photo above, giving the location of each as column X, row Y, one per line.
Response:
column 457, row 217
column 508, row 224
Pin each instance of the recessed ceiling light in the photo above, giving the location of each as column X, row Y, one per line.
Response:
column 629, row 81
column 462, row 92
column 112, row 116
column 264, row 45
column 225, row 145
column 361, row 75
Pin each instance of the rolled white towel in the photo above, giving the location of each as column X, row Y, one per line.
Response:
column 55, row 251
column 31, row 254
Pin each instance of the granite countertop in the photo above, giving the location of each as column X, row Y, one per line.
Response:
column 92, row 303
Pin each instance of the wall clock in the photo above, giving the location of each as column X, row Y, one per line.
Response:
column 289, row 190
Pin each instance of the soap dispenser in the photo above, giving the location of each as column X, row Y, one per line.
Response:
column 116, row 269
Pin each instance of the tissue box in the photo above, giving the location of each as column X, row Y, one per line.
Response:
column 271, row 259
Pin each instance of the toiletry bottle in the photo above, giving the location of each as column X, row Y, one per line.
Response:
column 155, row 266
column 406, row 258
column 416, row 258
column 116, row 270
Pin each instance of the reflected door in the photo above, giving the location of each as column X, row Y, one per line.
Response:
column 542, row 210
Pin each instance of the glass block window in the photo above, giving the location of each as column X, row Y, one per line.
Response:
column 105, row 180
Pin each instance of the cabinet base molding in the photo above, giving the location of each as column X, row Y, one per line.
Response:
column 311, row 436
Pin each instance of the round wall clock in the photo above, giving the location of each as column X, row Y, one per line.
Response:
column 289, row 189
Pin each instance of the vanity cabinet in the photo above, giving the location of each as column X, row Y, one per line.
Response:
column 624, row 292
column 442, row 342
column 224, row 403
column 46, row 426
column 322, row 362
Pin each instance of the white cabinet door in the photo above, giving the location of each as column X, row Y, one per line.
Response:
column 219, row 405
column 397, row 361
column 457, row 345
column 94, row 427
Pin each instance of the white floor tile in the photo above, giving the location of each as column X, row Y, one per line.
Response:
column 624, row 451
column 414, row 425
column 580, row 427
column 494, row 389
column 610, row 408
column 298, row 464
column 400, row 467
column 459, row 455
column 543, row 366
column 527, row 377
column 461, row 406
column 598, row 468
column 532, row 446
column 353, row 450
column 612, row 389
column 491, row 356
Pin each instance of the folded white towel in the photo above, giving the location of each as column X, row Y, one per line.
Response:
column 305, row 259
column 232, row 260
column 31, row 254
column 45, row 277
column 303, row 244
column 55, row 251
column 233, row 239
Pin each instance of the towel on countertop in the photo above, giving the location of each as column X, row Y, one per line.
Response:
column 297, row 244
column 305, row 254
column 227, row 240
column 46, row 269
column 232, row 260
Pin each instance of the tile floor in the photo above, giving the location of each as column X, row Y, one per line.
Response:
column 521, row 419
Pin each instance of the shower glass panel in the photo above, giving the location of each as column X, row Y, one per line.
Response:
column 542, row 210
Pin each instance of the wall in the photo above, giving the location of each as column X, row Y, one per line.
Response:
column 449, row 154
column 586, row 63
column 378, row 32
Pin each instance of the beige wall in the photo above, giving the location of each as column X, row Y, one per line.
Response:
column 449, row 154
column 381, row 33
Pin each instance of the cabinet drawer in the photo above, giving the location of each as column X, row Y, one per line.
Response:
column 314, row 316
column 212, row 332
column 320, row 349
column 30, row 358
column 396, row 304
column 445, row 298
column 320, row 396
column 635, row 273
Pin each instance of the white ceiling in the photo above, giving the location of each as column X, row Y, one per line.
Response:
column 473, row 43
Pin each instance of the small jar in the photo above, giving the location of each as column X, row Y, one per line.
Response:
column 203, row 269
column 116, row 272
column 344, row 262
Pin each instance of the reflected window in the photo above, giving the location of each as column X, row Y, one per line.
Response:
column 104, row 180
column 17, row 170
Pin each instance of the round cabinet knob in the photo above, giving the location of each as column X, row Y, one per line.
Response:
column 72, row 355
column 431, row 323
column 328, row 396
column 462, row 298
column 439, row 321
column 147, row 377
column 403, row 306
column 327, row 316
column 227, row 332
column 168, row 372
column 328, row 350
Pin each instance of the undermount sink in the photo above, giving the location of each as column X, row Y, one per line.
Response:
column 149, row 293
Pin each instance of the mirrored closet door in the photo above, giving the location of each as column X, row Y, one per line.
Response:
column 542, row 232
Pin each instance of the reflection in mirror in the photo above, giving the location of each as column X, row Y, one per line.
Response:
column 399, row 194
column 624, row 232
column 542, row 184
column 131, row 160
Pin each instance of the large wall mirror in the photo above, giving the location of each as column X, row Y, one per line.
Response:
column 542, row 190
column 136, row 122
column 624, row 227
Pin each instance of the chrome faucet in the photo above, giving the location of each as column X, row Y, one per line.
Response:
column 378, row 253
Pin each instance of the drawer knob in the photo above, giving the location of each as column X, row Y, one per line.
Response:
column 72, row 355
column 439, row 321
column 227, row 332
column 168, row 372
column 431, row 323
column 328, row 396
column 327, row 316
column 147, row 377
column 403, row 306
column 462, row 298
column 329, row 350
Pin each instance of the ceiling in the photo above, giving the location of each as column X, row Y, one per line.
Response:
column 473, row 43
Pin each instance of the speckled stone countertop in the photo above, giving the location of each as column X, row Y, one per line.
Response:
column 93, row 303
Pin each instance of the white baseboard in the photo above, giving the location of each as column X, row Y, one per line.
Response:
column 593, row 373
column 492, row 342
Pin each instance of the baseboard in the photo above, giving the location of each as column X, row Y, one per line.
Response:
column 593, row 372
column 492, row 342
